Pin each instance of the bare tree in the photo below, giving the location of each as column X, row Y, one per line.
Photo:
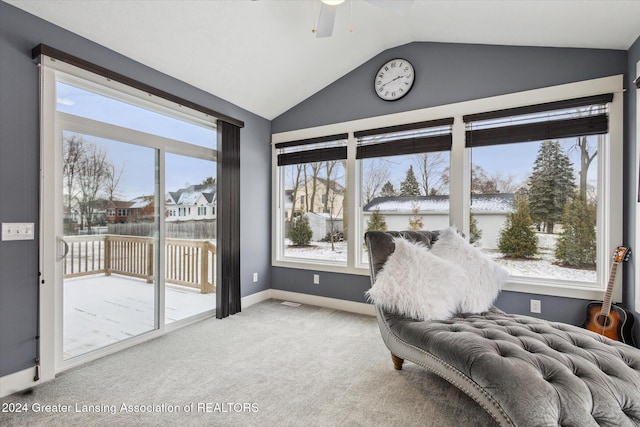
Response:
column 375, row 174
column 505, row 183
column 481, row 182
column 296, row 174
column 587, row 154
column 306, row 188
column 330, row 186
column 112, row 180
column 429, row 167
column 73, row 151
column 92, row 169
column 333, row 189
column 315, row 172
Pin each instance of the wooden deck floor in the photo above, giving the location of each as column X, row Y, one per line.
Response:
column 101, row 310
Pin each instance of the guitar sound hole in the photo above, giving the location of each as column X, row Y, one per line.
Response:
column 603, row 321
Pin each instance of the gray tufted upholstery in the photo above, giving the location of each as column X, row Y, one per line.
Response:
column 523, row 371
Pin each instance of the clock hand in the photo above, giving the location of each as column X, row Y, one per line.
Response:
column 392, row 80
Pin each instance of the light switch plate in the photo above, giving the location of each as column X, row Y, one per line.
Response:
column 17, row 230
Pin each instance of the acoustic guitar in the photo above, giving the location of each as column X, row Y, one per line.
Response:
column 610, row 320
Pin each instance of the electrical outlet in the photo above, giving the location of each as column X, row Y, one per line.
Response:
column 17, row 230
column 535, row 306
column 255, row 277
column 316, row 279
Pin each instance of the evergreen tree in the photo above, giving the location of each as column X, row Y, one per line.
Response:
column 415, row 222
column 475, row 234
column 410, row 186
column 300, row 233
column 388, row 190
column 377, row 222
column 576, row 246
column 550, row 185
column 517, row 239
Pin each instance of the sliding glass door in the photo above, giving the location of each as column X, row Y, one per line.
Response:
column 190, row 230
column 129, row 210
column 110, row 226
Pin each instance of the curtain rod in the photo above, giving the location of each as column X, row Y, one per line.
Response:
column 43, row 49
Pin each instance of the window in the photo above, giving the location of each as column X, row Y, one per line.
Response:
column 468, row 165
column 312, row 198
column 404, row 177
column 535, row 188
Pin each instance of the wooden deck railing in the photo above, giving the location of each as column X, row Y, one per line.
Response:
column 188, row 262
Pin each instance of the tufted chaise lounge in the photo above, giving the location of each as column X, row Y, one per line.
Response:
column 523, row 371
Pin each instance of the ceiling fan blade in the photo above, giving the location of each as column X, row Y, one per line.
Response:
column 326, row 19
column 400, row 7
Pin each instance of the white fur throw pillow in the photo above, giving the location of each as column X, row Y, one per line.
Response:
column 486, row 276
column 417, row 284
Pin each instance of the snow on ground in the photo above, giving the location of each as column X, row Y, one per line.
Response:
column 542, row 266
column 101, row 310
column 317, row 251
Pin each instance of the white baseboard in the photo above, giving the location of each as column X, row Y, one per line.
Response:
column 334, row 303
column 252, row 299
column 17, row 381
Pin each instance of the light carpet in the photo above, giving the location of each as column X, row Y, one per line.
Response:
column 270, row 365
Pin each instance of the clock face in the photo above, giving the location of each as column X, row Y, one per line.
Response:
column 394, row 79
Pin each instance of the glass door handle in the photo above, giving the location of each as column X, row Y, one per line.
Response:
column 61, row 243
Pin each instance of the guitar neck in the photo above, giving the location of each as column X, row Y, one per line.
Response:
column 606, row 303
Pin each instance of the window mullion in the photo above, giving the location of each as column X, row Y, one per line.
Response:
column 460, row 176
column 354, row 229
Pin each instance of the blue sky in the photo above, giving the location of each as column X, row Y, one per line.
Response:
column 139, row 162
column 509, row 160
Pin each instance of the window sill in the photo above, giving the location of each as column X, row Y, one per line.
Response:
column 524, row 285
column 307, row 264
column 531, row 286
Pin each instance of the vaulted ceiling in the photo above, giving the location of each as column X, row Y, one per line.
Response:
column 263, row 56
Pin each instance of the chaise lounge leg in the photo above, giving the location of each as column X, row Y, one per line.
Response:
column 397, row 362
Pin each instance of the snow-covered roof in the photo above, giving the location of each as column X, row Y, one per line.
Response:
column 502, row 202
column 190, row 195
column 140, row 202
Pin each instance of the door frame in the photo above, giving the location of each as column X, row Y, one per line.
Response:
column 52, row 124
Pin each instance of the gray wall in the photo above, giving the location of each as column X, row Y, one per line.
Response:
column 19, row 171
column 631, row 197
column 447, row 73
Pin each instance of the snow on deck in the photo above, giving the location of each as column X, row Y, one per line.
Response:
column 101, row 310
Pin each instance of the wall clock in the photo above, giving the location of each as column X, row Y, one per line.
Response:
column 394, row 79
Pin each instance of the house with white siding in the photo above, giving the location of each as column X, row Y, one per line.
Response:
column 195, row 202
column 489, row 210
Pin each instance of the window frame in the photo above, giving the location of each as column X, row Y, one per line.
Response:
column 637, row 185
column 335, row 146
column 610, row 179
